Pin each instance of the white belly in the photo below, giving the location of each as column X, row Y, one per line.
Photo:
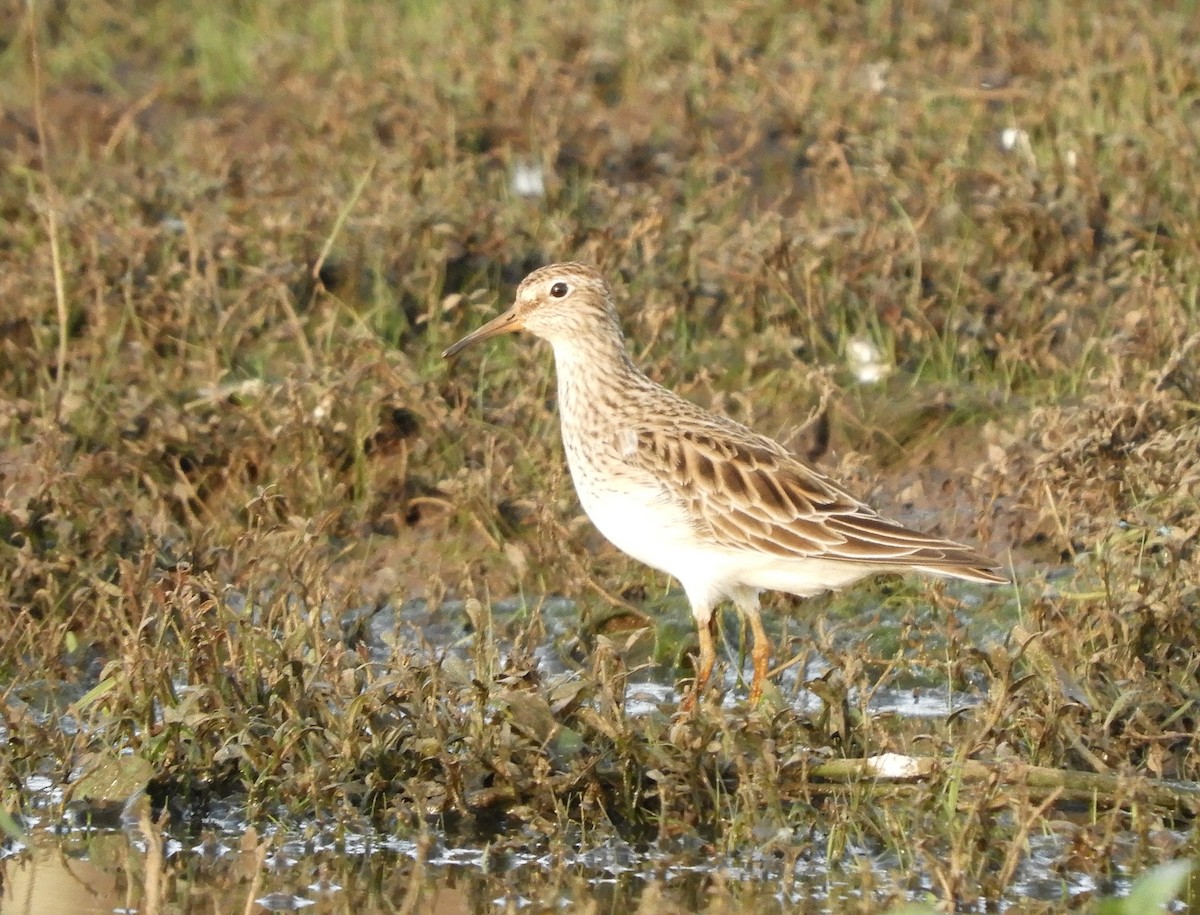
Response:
column 644, row 523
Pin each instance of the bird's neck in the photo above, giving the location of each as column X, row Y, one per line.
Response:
column 589, row 370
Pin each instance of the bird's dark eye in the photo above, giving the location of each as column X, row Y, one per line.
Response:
column 558, row 290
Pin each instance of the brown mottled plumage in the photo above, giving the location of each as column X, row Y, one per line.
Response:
column 725, row 510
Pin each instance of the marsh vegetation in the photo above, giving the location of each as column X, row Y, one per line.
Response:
column 264, row 555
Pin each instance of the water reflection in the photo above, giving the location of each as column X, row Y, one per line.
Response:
column 127, row 871
column 111, row 872
column 53, row 879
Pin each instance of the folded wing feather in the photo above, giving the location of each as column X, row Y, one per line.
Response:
column 751, row 492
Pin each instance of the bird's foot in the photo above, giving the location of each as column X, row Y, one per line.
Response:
column 687, row 705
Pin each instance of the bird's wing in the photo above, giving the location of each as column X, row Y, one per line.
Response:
column 746, row 492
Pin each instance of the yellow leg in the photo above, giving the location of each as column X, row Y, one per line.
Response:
column 704, row 664
column 760, row 654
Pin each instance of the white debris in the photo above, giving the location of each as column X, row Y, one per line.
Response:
column 528, row 181
column 866, row 361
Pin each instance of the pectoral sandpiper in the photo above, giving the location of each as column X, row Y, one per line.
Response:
column 723, row 509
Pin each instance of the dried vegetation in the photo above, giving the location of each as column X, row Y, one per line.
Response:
column 234, row 243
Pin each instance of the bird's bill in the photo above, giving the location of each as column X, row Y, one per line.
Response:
column 506, row 323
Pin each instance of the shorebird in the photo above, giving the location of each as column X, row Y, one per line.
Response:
column 726, row 511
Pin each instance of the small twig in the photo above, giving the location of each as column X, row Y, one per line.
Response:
column 260, row 859
column 1174, row 360
column 50, row 214
column 293, row 319
column 1016, row 849
column 897, row 769
column 416, row 880
column 152, row 879
column 343, row 215
column 126, row 120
